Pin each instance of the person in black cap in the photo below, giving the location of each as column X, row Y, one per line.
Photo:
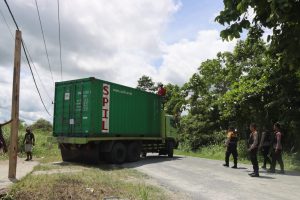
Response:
column 231, row 144
column 253, row 146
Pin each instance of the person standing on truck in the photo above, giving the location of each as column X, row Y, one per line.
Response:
column 264, row 146
column 161, row 90
column 29, row 141
column 231, row 144
column 162, row 93
column 253, row 147
column 277, row 149
column 3, row 147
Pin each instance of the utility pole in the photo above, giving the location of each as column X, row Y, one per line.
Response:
column 13, row 147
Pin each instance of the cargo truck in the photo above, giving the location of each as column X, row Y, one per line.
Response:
column 96, row 119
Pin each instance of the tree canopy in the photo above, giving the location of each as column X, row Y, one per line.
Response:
column 281, row 17
column 259, row 81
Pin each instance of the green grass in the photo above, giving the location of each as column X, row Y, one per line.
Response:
column 90, row 183
column 45, row 149
column 217, row 152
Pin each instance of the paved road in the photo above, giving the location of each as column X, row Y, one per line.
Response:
column 198, row 178
column 23, row 168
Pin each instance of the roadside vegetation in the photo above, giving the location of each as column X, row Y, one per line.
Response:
column 53, row 179
column 258, row 82
column 217, row 152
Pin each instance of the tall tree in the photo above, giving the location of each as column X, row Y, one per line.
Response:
column 282, row 17
column 145, row 83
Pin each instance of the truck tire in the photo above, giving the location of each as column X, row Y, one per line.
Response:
column 170, row 149
column 133, row 152
column 118, row 153
column 144, row 154
column 66, row 153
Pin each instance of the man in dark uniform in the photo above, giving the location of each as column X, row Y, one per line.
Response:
column 253, row 147
column 264, row 146
column 231, row 144
column 277, row 149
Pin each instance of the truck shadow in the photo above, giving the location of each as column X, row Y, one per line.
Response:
column 143, row 161
column 153, row 159
column 103, row 165
column 150, row 160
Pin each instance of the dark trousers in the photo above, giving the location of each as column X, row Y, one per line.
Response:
column 231, row 149
column 276, row 156
column 265, row 152
column 253, row 158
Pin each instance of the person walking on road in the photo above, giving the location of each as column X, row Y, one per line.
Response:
column 231, row 144
column 3, row 147
column 253, row 147
column 277, row 149
column 264, row 146
column 29, row 141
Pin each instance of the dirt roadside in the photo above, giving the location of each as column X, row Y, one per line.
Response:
column 23, row 168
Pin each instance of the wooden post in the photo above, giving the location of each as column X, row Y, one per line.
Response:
column 13, row 147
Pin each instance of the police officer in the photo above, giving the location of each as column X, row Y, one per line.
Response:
column 277, row 149
column 231, row 144
column 253, row 147
column 264, row 146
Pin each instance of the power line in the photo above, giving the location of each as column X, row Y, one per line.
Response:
column 42, row 30
column 59, row 39
column 29, row 57
column 38, row 74
column 6, row 23
column 11, row 14
column 23, row 46
column 33, row 76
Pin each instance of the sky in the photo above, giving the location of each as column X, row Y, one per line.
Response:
column 116, row 40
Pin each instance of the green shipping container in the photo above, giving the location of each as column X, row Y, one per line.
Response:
column 95, row 108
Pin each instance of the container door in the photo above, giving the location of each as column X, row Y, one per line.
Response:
column 80, row 114
column 66, row 102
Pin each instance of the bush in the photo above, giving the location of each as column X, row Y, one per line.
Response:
column 42, row 124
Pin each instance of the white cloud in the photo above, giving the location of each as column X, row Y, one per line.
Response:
column 114, row 40
column 182, row 59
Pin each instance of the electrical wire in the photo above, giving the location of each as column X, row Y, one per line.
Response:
column 42, row 30
column 46, row 91
column 23, row 46
column 29, row 57
column 6, row 23
column 59, row 39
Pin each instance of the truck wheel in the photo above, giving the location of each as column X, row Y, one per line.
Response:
column 118, row 153
column 66, row 153
column 144, row 154
column 133, row 152
column 170, row 149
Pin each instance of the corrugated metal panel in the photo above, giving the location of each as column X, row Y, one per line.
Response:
column 91, row 107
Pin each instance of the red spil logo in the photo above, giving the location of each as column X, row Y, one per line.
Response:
column 105, row 108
